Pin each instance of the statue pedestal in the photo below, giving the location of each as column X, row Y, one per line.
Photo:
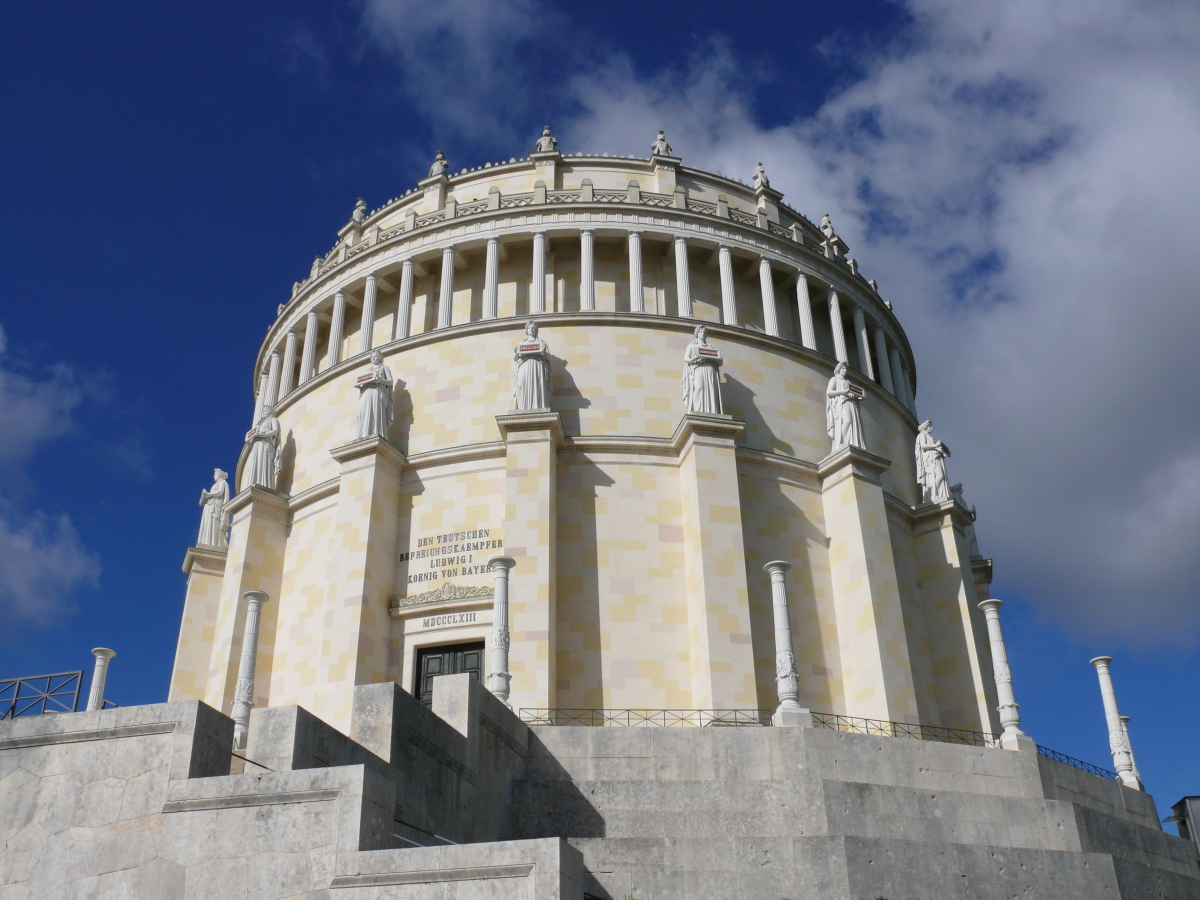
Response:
column 792, row 718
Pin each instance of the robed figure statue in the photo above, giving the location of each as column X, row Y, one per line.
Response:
column 931, row 465
column 842, row 420
column 266, row 452
column 702, row 375
column 376, row 400
column 531, row 377
column 213, row 519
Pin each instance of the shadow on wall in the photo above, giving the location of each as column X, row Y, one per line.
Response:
column 287, row 464
column 402, row 417
column 738, row 400
column 548, row 803
column 565, row 396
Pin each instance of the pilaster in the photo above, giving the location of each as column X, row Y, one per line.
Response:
column 355, row 623
column 876, row 672
column 966, row 695
column 546, row 166
column 532, row 439
column 205, row 569
column 722, row 654
column 666, row 173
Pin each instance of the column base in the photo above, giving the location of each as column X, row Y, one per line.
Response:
column 792, row 718
column 1018, row 742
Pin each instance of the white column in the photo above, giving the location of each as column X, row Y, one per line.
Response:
column 1011, row 736
column 787, row 683
column 498, row 677
column 404, row 304
column 289, row 364
column 367, row 331
column 910, row 399
column 767, row 283
column 95, row 700
column 273, row 367
column 537, row 290
column 587, row 269
column 897, row 376
column 491, row 279
column 336, row 329
column 243, row 694
column 446, row 292
column 864, row 344
column 1118, row 741
column 637, row 300
column 885, row 367
column 261, row 397
column 808, row 335
column 683, row 284
column 1132, row 758
column 308, row 362
column 835, row 325
column 728, row 296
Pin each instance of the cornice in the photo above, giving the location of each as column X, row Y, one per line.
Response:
column 313, row 494
column 462, row 453
column 858, row 462
column 257, row 496
column 379, row 447
column 206, row 560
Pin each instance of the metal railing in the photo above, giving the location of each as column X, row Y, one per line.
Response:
column 1077, row 763
column 881, row 728
column 38, row 694
column 661, row 718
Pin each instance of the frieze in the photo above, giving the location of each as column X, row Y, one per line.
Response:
column 447, row 591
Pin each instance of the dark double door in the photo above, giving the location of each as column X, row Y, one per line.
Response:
column 453, row 659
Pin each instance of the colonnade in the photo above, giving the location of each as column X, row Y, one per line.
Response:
column 887, row 368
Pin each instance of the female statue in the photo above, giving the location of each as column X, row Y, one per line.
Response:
column 931, row 465
column 376, row 402
column 702, row 375
column 842, row 420
column 213, row 519
column 266, row 452
column 531, row 378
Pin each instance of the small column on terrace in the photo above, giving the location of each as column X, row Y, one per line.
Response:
column 1118, row 740
column 499, row 680
column 537, row 291
column 587, row 269
column 491, row 278
column 95, row 701
column 808, row 334
column 864, row 345
column 1011, row 737
column 1132, row 758
column 835, row 325
column 728, row 296
column 446, row 292
column 367, row 330
column 787, row 682
column 885, row 367
column 273, row 366
column 404, row 303
column 336, row 328
column 767, row 284
column 683, row 284
column 636, row 295
column 308, row 364
column 289, row 364
column 243, row 694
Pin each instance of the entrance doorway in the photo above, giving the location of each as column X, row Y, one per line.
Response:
column 451, row 659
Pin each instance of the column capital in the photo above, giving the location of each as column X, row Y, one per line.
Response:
column 990, row 604
column 1100, row 661
column 371, row 276
column 496, row 563
column 587, row 230
column 632, row 231
column 105, row 653
column 777, row 565
column 256, row 596
column 681, row 239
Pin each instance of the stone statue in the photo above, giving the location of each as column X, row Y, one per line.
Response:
column 843, row 422
column 439, row 165
column 531, row 377
column 213, row 520
column 376, row 400
column 760, row 177
column 827, row 228
column 360, row 210
column 266, row 452
column 316, row 267
column 702, row 375
column 546, row 143
column 660, row 147
column 931, row 465
column 956, row 491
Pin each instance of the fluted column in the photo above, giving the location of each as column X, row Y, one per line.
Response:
column 308, row 363
column 787, row 682
column 728, row 295
column 808, row 334
column 491, row 279
column 336, row 329
column 864, row 345
column 499, row 680
column 587, row 269
column 885, row 367
column 243, row 694
column 366, row 333
column 260, row 398
column 1011, row 737
column 1129, row 744
column 289, row 364
column 637, row 302
column 1118, row 741
column 897, row 376
column 910, row 399
column 835, row 325
column 446, row 293
column 273, row 367
column 537, row 291
column 95, row 701
column 404, row 303
column 767, row 285
column 683, row 283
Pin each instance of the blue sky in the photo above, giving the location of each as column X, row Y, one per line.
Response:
column 1019, row 178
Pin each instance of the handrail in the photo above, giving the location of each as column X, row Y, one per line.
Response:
column 1077, row 763
column 38, row 694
